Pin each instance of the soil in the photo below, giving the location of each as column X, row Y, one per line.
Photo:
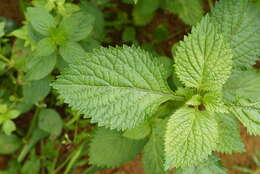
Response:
column 10, row 9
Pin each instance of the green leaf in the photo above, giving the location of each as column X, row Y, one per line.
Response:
column 190, row 11
column 138, row 132
column 153, row 154
column 71, row 51
column 239, row 22
column 245, row 84
column 2, row 27
column 45, row 47
column 143, row 11
column 209, row 166
column 9, row 144
column 32, row 165
column 249, row 114
column 77, row 26
column 37, row 90
column 109, row 148
column 203, row 59
column 191, row 136
column 116, row 87
column 40, row 67
column 8, row 127
column 41, row 20
column 229, row 134
column 50, row 121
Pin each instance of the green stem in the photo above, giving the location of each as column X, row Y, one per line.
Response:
column 74, row 119
column 210, row 2
column 4, row 58
column 33, row 123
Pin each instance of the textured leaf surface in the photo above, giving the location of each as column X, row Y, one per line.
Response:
column 41, row 20
column 249, row 114
column 116, row 87
column 109, row 148
column 153, row 154
column 190, row 11
column 138, row 132
column 229, row 134
column 77, row 26
column 239, row 22
column 203, row 59
column 40, row 67
column 71, row 51
column 209, row 166
column 191, row 136
column 244, row 84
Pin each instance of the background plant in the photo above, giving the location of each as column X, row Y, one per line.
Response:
column 139, row 99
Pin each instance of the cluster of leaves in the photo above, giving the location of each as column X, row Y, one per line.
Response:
column 174, row 114
column 121, row 88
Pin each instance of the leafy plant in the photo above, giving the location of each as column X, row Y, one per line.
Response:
column 122, row 88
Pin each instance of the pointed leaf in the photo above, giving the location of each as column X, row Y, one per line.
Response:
column 229, row 134
column 116, row 87
column 203, row 59
column 209, row 166
column 249, row 114
column 244, row 84
column 239, row 22
column 191, row 136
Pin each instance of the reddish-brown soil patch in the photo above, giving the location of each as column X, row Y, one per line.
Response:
column 10, row 10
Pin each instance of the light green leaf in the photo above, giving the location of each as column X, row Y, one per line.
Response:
column 109, row 148
column 239, row 22
column 3, row 108
column 209, row 166
column 40, row 67
column 8, row 127
column 71, row 51
column 45, row 47
column 2, row 27
column 116, row 87
column 191, row 136
column 203, row 59
column 77, row 26
column 50, row 121
column 153, row 154
column 41, row 20
column 35, row 91
column 229, row 134
column 138, row 132
column 244, row 84
column 249, row 114
column 9, row 144
column 190, row 11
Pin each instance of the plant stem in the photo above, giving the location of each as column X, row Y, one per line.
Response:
column 210, row 2
column 33, row 122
